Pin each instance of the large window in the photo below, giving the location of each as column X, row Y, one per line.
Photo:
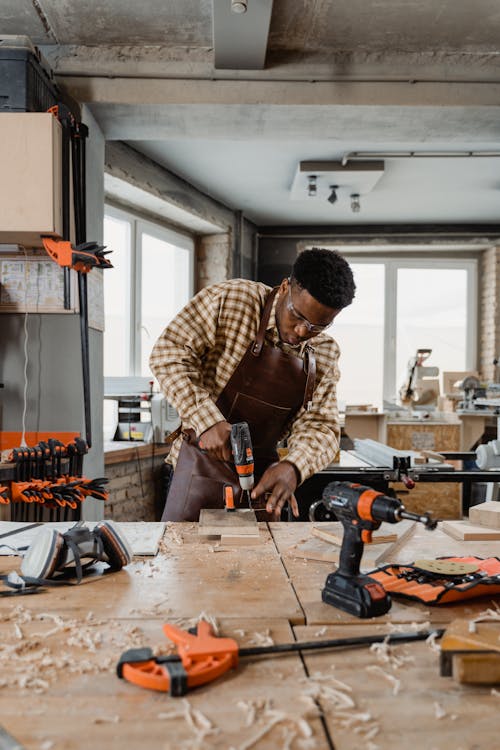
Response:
column 151, row 280
column 401, row 306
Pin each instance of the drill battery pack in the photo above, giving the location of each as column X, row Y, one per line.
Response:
column 421, row 585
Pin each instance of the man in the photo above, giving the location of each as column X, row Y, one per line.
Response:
column 240, row 351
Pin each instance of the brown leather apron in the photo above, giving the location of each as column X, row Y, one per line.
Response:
column 266, row 389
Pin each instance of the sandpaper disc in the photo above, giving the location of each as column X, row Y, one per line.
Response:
column 446, row 567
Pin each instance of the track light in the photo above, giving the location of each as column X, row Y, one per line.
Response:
column 311, row 186
column 355, row 204
column 332, row 198
column 239, row 6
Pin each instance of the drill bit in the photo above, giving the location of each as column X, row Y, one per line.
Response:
column 429, row 523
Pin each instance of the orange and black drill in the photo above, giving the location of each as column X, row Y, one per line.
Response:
column 241, row 446
column 361, row 510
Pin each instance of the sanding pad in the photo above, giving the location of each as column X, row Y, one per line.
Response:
column 446, row 567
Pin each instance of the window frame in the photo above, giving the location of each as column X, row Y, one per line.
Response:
column 391, row 267
column 133, row 310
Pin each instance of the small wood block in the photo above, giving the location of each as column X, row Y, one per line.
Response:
column 334, row 533
column 486, row 514
column 467, row 532
column 219, row 522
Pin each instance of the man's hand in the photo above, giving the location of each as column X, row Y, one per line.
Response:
column 280, row 480
column 215, row 441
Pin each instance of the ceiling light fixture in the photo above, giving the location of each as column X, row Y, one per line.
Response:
column 238, row 6
column 332, row 198
column 355, row 203
column 311, row 186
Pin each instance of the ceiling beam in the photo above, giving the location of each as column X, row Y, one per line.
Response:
column 188, row 91
column 240, row 39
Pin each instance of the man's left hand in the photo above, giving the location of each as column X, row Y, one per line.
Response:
column 280, row 481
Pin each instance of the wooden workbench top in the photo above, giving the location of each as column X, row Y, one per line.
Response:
column 189, row 576
column 77, row 702
column 255, row 593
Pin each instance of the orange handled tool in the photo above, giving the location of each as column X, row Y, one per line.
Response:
column 202, row 657
column 229, row 498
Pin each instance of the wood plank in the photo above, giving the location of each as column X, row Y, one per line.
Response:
column 486, row 514
column 186, row 577
column 317, row 549
column 216, row 522
column 406, row 706
column 334, row 533
column 469, row 532
column 79, row 702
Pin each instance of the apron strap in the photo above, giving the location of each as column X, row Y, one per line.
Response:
column 259, row 339
column 310, row 360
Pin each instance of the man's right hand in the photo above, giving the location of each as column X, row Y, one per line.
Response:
column 215, row 441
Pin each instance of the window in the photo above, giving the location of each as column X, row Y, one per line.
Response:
column 400, row 306
column 151, row 280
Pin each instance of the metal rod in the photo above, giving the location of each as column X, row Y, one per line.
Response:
column 363, row 640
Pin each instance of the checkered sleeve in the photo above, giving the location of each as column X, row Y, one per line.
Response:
column 314, row 436
column 176, row 361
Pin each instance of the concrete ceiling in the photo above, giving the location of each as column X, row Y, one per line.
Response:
column 339, row 76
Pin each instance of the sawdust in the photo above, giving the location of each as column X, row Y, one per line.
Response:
column 38, row 661
column 260, row 710
column 325, row 690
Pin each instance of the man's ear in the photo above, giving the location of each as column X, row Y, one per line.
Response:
column 284, row 286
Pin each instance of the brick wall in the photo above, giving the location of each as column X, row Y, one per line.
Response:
column 135, row 489
column 489, row 291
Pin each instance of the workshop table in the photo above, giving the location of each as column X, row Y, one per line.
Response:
column 59, row 649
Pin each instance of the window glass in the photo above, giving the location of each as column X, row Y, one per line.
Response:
column 117, row 297
column 165, row 289
column 431, row 314
column 359, row 331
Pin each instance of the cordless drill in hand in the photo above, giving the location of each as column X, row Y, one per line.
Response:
column 361, row 510
column 241, row 446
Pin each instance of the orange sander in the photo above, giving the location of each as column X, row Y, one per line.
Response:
column 361, row 510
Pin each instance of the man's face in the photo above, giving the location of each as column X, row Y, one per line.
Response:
column 300, row 316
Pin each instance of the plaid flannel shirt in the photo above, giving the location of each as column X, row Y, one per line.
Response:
column 199, row 350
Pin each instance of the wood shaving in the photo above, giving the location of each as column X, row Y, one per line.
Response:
column 39, row 660
column 396, row 684
column 385, row 652
column 320, row 632
column 341, row 706
column 46, row 745
column 106, row 720
column 211, row 621
column 431, row 641
column 262, row 639
column 439, row 711
column 496, row 693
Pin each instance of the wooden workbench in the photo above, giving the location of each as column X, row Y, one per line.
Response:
column 74, row 700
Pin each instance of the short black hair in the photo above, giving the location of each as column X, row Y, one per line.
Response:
column 326, row 275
